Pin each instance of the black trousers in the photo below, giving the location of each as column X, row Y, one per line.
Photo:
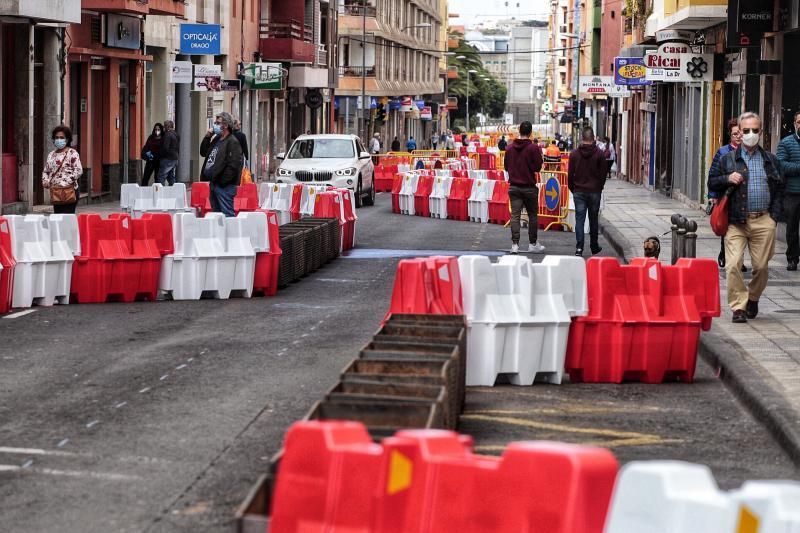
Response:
column 791, row 210
column 150, row 169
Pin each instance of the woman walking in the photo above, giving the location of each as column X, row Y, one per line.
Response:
column 151, row 153
column 62, row 172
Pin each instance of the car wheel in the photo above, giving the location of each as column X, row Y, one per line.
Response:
column 359, row 192
column 370, row 199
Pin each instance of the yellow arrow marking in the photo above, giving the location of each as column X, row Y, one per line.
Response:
column 552, row 193
column 748, row 521
column 400, row 471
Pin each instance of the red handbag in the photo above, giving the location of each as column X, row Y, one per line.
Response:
column 719, row 216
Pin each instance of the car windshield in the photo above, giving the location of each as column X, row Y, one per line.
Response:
column 322, row 149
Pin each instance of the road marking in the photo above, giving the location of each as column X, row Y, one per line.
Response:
column 120, row 404
column 32, row 451
column 27, row 464
column 180, row 367
column 162, row 378
column 92, row 424
column 20, row 313
column 618, row 438
column 62, row 443
column 144, row 390
column 110, row 476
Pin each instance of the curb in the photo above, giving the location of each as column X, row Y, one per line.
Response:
column 737, row 370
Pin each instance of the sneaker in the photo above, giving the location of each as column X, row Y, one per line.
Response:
column 515, row 248
column 752, row 309
column 597, row 250
column 739, row 317
column 579, row 252
column 792, row 266
column 536, row 248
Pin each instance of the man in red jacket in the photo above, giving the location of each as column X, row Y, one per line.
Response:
column 587, row 177
column 523, row 160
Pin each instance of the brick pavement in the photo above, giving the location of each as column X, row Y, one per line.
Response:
column 773, row 339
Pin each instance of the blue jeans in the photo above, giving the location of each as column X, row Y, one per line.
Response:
column 587, row 201
column 166, row 171
column 222, row 199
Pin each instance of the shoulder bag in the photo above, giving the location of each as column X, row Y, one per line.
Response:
column 719, row 216
column 60, row 195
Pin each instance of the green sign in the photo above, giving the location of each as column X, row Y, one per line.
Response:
column 264, row 76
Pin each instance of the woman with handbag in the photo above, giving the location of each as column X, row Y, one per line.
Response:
column 62, row 172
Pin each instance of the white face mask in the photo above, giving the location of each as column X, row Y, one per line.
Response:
column 750, row 139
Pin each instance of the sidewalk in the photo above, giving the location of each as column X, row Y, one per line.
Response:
column 760, row 360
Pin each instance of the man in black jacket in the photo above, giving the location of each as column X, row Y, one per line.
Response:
column 242, row 138
column 170, row 149
column 522, row 161
column 586, row 178
column 223, row 166
column 752, row 178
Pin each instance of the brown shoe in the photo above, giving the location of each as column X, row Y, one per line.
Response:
column 739, row 317
column 752, row 309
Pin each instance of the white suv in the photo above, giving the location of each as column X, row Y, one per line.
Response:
column 337, row 160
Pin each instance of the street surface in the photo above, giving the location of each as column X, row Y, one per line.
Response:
column 160, row 417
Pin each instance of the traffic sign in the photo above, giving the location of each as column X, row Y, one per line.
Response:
column 546, row 107
column 552, row 192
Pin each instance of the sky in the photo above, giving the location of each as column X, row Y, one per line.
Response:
column 475, row 11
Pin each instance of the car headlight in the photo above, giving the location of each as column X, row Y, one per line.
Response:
column 284, row 172
column 346, row 172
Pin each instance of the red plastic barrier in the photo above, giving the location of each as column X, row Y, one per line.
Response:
column 384, row 177
column 8, row 263
column 459, row 173
column 644, row 320
column 246, row 198
column 457, row 202
column 120, row 257
column 265, row 281
column 498, row 205
column 397, row 185
column 496, row 175
column 348, row 205
column 427, row 286
column 422, row 206
column 333, row 478
column 297, row 196
column 200, row 197
column 486, row 161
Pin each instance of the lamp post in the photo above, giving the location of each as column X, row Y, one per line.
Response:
column 577, row 79
column 470, row 72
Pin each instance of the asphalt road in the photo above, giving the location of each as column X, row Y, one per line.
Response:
column 160, row 417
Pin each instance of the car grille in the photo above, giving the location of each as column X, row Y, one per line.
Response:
column 319, row 175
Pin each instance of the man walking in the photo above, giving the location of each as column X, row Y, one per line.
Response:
column 586, row 179
column 375, row 144
column 789, row 158
column 242, row 138
column 170, row 150
column 523, row 160
column 752, row 176
column 223, row 166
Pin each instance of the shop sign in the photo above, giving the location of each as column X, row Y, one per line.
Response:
column 123, row 32
column 630, row 71
column 420, row 104
column 200, row 39
column 406, row 104
column 755, row 16
column 681, row 68
column 207, row 78
column 426, row 113
column 264, row 76
column 738, row 38
column 231, row 85
column 180, row 72
column 394, row 104
column 602, row 86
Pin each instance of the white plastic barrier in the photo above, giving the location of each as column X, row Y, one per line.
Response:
column 213, row 255
column 308, row 199
column 518, row 316
column 446, row 173
column 477, row 175
column 437, row 202
column 44, row 248
column 678, row 497
column 156, row 198
column 404, row 167
column 278, row 197
column 407, row 191
column 478, row 203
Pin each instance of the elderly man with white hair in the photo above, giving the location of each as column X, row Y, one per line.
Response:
column 223, row 166
column 753, row 180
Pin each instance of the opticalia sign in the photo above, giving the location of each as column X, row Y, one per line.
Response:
column 200, row 39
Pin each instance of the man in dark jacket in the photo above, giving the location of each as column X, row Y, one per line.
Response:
column 586, row 179
column 789, row 157
column 170, row 148
column 223, row 166
column 242, row 138
column 522, row 161
column 753, row 179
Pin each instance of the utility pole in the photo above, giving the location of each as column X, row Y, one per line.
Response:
column 363, row 125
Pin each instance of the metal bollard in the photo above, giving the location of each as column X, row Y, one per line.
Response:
column 690, row 242
column 674, row 238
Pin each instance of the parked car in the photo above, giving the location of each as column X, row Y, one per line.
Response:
column 337, row 160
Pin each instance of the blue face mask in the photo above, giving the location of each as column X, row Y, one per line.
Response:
column 60, row 143
column 217, row 129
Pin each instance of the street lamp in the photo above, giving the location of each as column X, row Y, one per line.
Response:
column 470, row 72
column 577, row 78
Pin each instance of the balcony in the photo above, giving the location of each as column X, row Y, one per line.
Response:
column 287, row 40
column 129, row 7
column 358, row 71
column 452, row 73
column 65, row 11
column 167, row 7
column 356, row 10
column 695, row 15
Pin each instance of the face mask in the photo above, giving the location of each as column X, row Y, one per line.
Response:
column 750, row 139
column 158, row 133
column 797, row 131
column 60, row 143
column 217, row 129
